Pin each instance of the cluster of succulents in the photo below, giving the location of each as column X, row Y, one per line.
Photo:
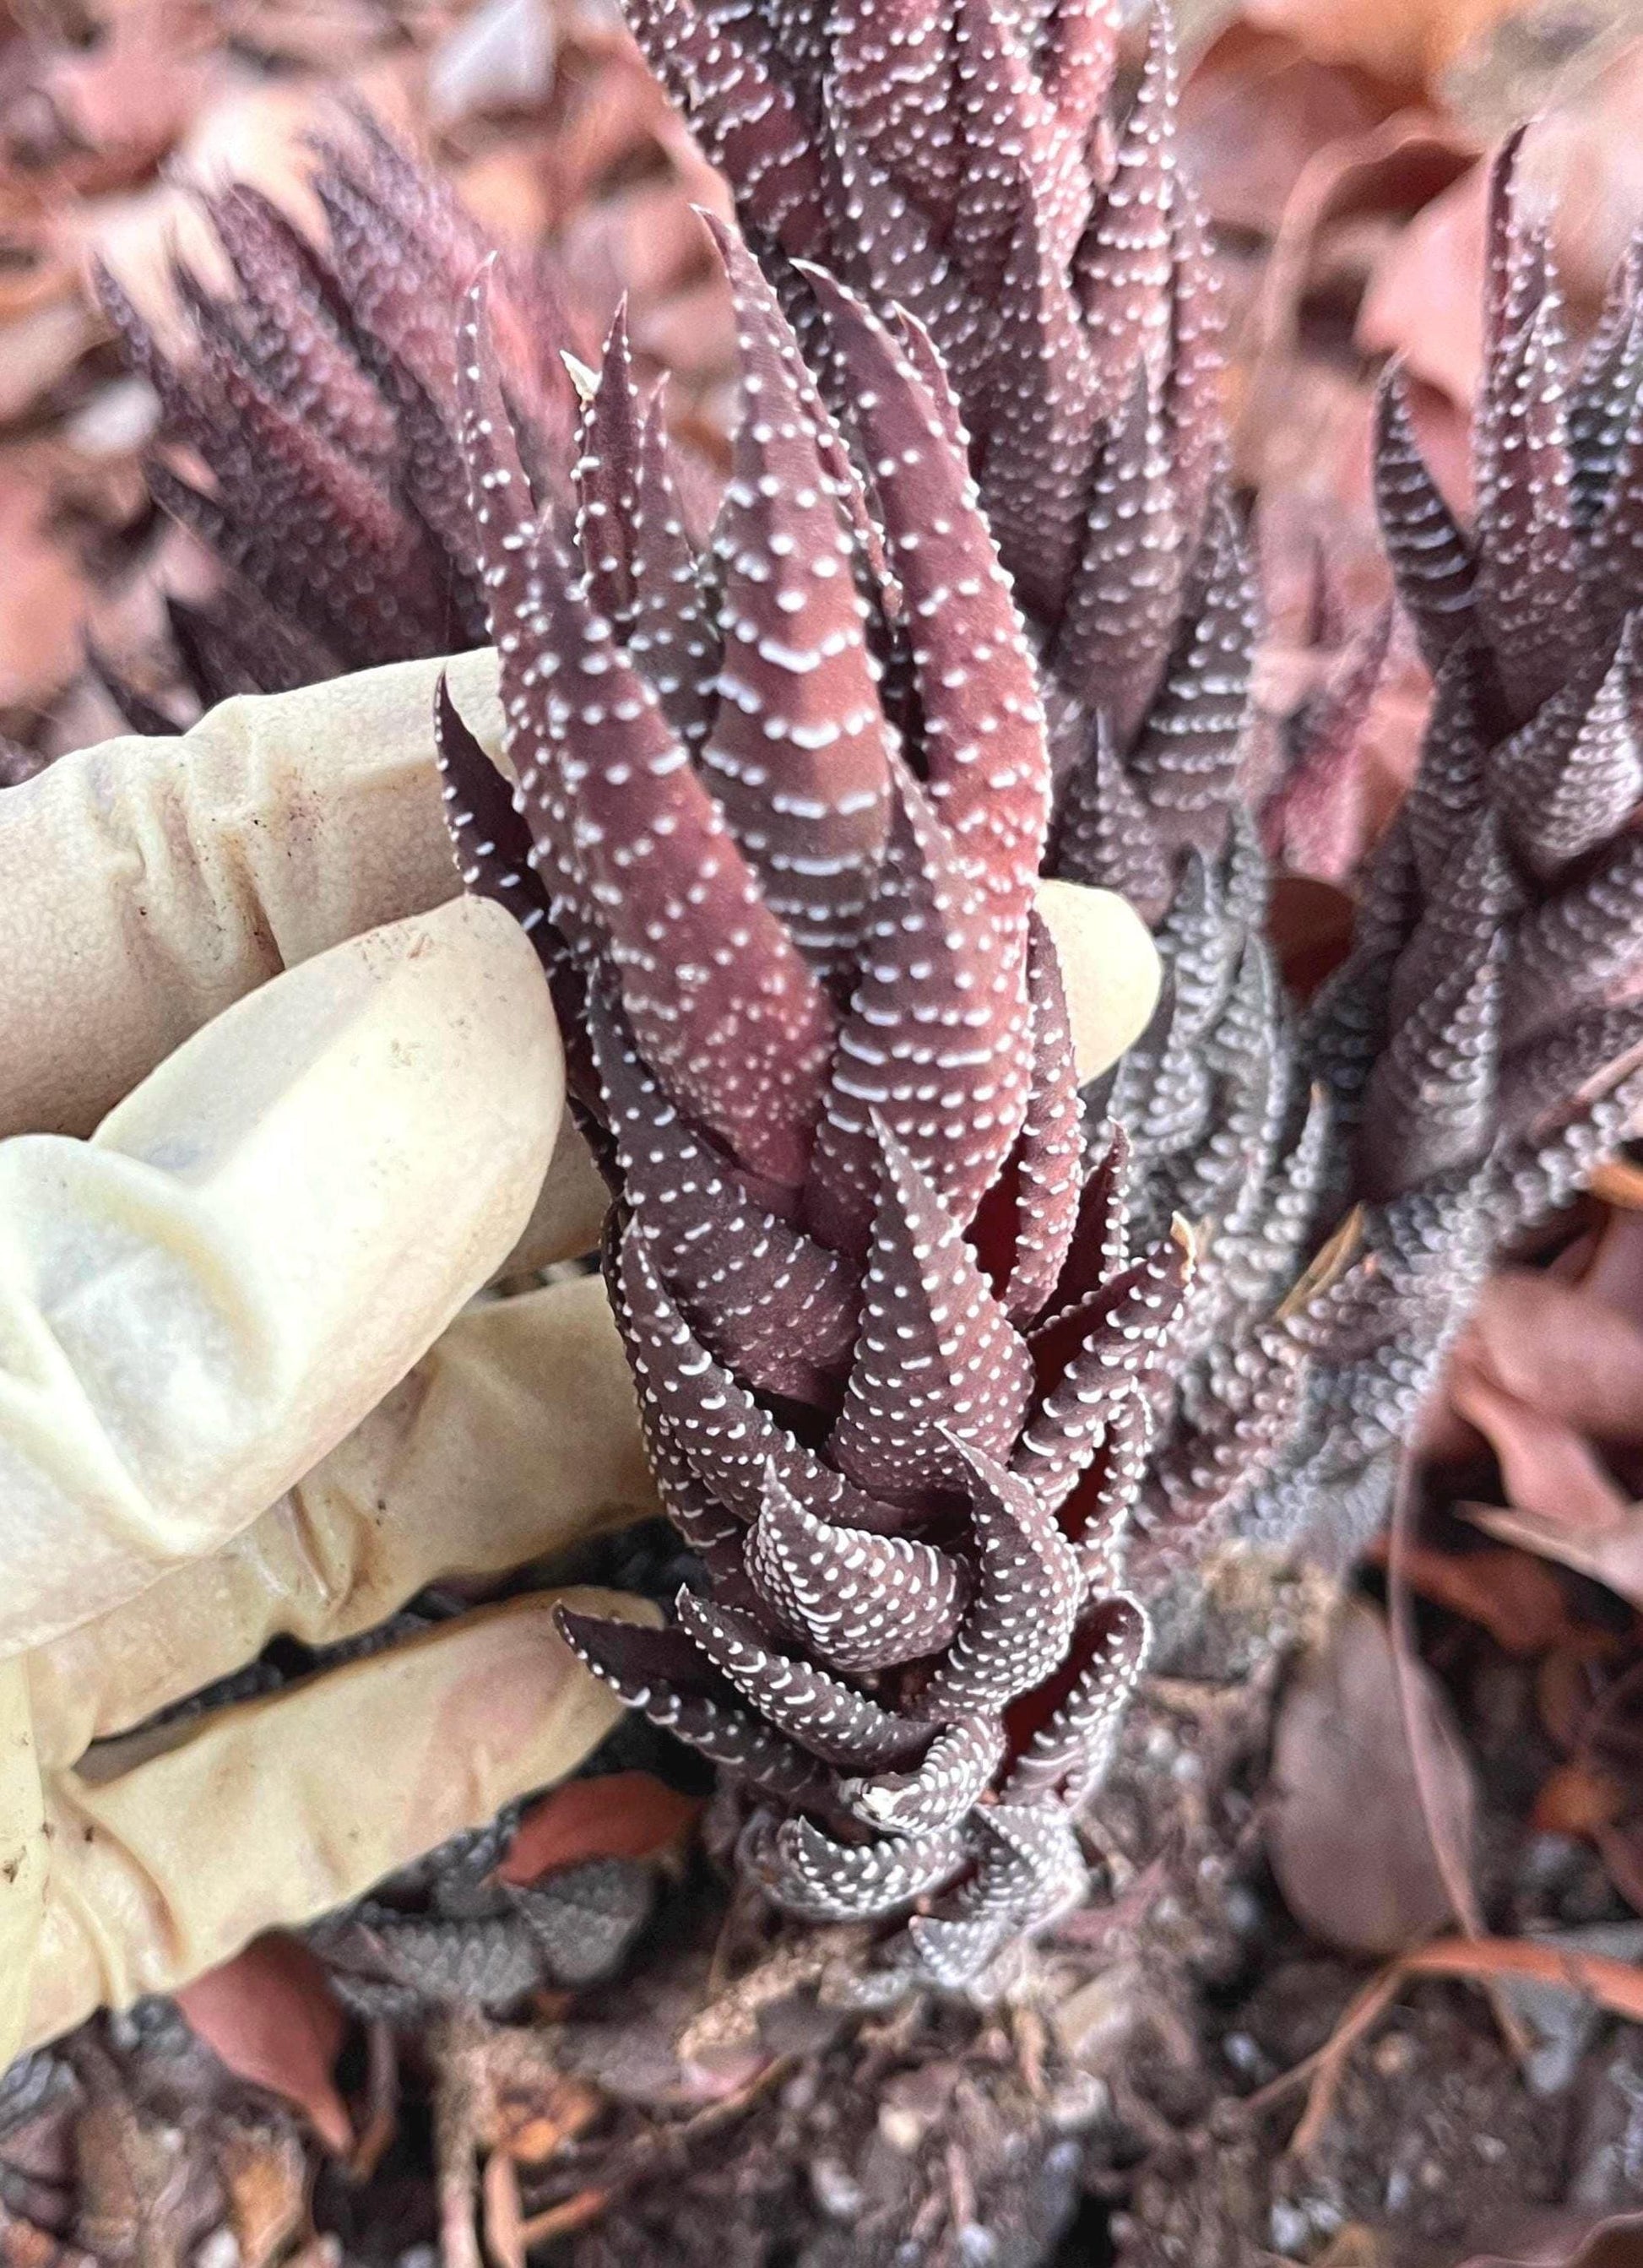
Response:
column 932, row 1391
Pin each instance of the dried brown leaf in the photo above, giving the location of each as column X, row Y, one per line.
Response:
column 1615, row 2242
column 1611, row 1556
column 1348, row 1838
column 629, row 1815
column 1512, row 1595
column 1424, row 301
column 1405, row 42
column 1561, row 1349
column 1256, row 109
column 44, row 596
column 268, row 2013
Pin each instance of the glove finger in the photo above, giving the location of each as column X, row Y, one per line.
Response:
column 197, row 1305
column 23, row 1857
column 147, row 884
column 516, row 1436
column 183, row 1846
column 1109, row 967
column 569, row 1208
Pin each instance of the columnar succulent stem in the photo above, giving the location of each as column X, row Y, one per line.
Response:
column 895, row 1417
column 967, row 161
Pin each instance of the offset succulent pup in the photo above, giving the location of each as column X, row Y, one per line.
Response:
column 781, row 810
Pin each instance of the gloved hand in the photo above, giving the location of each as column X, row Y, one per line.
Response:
column 278, row 1106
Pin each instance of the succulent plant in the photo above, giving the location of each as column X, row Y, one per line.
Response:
column 957, row 158
column 318, row 395
column 1483, row 1045
column 780, row 816
column 968, row 161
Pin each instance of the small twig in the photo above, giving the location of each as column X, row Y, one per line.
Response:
column 654, row 2142
column 1327, row 2069
column 1616, row 1986
column 381, row 2105
column 1453, row 1868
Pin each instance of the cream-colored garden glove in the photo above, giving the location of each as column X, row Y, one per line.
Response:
column 274, row 1106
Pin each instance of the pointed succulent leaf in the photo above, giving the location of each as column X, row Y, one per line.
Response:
column 1125, row 262
column 811, row 1874
column 981, row 714
column 1106, row 837
column 1430, row 1104
column 1032, row 1866
column 1092, row 1353
column 824, row 1716
column 1582, row 947
column 798, row 750
column 954, row 1950
column 1527, row 589
column 781, row 1310
column 1572, row 775
column 1186, row 755
column 1115, row 631
column 1048, row 1163
column 1450, row 791
column 725, row 1436
column 936, row 1358
column 1043, row 444
column 860, row 1601
column 931, row 1044
column 658, row 1673
column 607, row 476
column 491, row 839
column 713, row 985
column 1431, row 559
column 940, row 1791
column 1017, row 1626
column 1063, row 1734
